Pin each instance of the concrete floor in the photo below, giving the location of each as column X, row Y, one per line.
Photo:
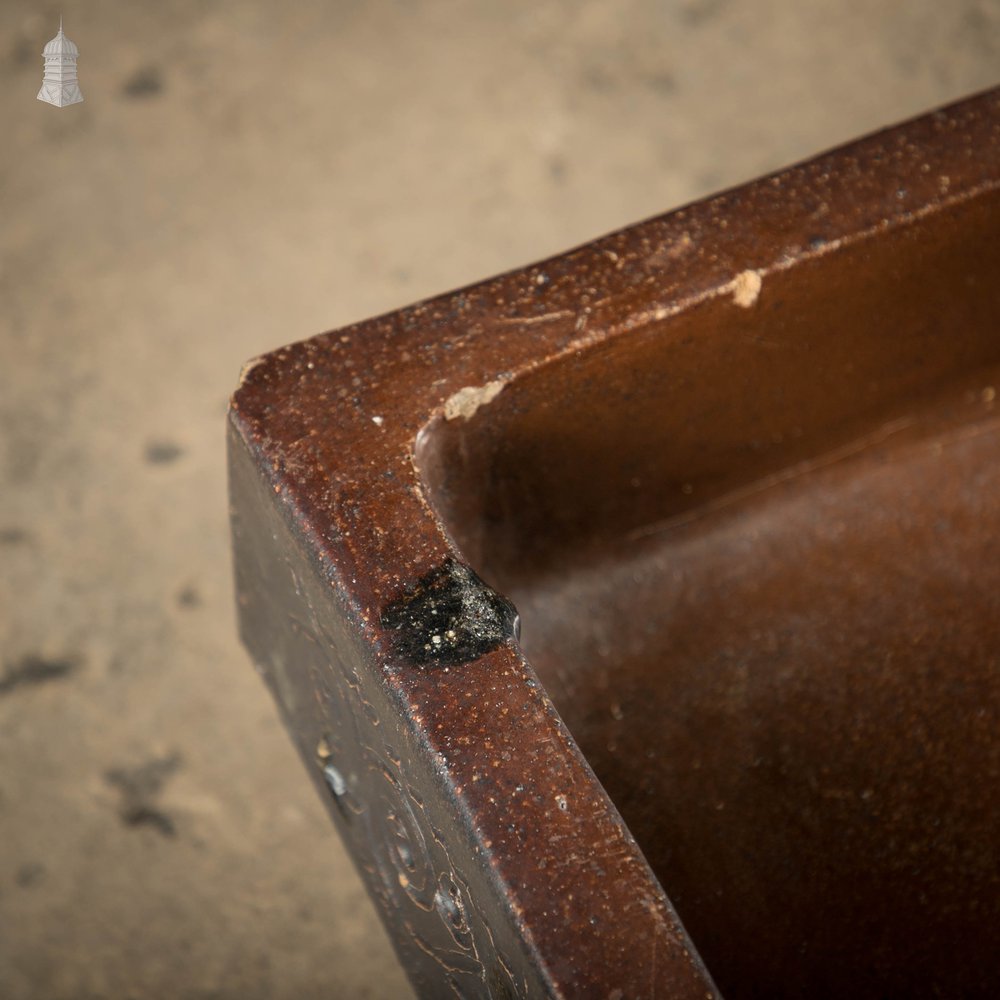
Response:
column 243, row 174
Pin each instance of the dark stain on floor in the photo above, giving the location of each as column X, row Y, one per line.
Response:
column 188, row 597
column 143, row 83
column 140, row 787
column 163, row 452
column 32, row 670
column 30, row 875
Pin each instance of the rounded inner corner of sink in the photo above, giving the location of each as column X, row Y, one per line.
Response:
column 756, row 554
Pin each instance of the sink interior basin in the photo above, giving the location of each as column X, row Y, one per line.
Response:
column 755, row 547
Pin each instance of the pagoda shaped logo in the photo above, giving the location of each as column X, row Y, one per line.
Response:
column 60, row 86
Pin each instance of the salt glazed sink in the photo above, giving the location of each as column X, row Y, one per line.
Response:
column 737, row 469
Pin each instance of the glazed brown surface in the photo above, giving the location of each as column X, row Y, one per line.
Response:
column 755, row 555
column 733, row 467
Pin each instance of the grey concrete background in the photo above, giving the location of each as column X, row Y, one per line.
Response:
column 243, row 174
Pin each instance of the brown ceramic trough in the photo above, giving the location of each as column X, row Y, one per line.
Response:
column 738, row 469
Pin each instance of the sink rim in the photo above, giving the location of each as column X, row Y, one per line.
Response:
column 342, row 462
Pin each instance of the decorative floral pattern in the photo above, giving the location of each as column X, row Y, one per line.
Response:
column 433, row 906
